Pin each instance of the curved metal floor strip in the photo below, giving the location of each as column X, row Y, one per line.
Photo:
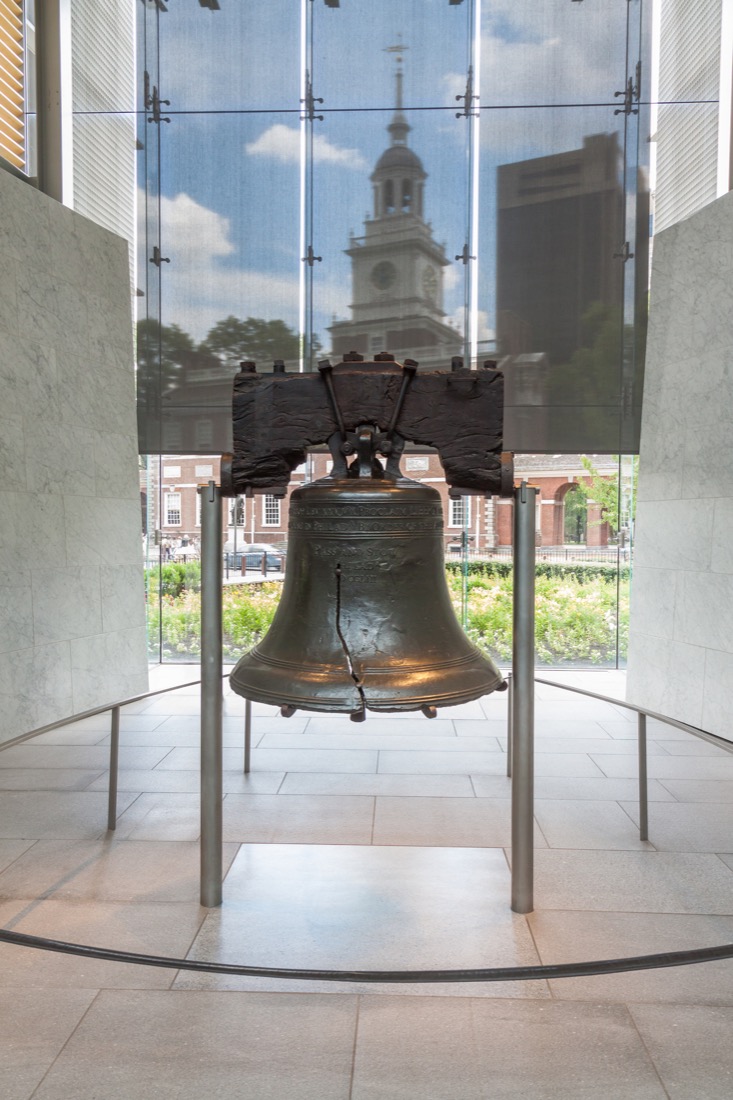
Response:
column 490, row 974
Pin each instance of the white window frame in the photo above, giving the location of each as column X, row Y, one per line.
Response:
column 271, row 505
column 459, row 511
column 204, row 432
column 170, row 509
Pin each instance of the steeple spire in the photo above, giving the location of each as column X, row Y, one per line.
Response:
column 399, row 127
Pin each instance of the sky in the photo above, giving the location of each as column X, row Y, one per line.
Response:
column 230, row 161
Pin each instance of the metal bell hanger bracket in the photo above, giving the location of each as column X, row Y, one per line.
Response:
column 367, row 441
column 355, row 407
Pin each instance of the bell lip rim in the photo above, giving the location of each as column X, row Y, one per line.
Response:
column 375, row 706
column 382, row 670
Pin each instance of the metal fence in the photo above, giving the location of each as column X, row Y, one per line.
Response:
column 588, row 555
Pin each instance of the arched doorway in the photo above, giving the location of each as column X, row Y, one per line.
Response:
column 575, row 519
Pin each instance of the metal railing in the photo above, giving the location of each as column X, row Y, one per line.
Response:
column 486, row 974
column 114, row 710
column 520, row 765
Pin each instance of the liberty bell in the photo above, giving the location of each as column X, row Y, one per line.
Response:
column 365, row 621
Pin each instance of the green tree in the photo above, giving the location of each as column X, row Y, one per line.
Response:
column 603, row 490
column 162, row 351
column 263, row 341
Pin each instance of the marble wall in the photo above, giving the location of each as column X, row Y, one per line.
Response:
column 72, row 616
column 681, row 631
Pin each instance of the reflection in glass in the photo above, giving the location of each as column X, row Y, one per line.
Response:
column 323, row 187
column 398, row 269
column 561, row 265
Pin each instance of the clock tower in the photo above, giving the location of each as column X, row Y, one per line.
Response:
column 396, row 266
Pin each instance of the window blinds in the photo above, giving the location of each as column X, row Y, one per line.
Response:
column 12, row 97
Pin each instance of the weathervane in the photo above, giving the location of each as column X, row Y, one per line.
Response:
column 399, row 49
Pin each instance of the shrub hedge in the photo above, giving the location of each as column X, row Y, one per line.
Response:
column 582, row 572
column 576, row 615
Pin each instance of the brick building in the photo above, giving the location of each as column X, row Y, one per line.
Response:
column 170, row 500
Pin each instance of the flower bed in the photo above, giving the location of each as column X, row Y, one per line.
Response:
column 575, row 612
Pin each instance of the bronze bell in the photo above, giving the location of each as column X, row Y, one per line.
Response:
column 365, row 620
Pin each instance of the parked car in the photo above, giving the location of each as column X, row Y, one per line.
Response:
column 251, row 554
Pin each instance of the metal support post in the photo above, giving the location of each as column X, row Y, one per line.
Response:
column 509, row 724
column 522, row 723
column 211, row 695
column 247, row 733
column 114, row 760
column 643, row 784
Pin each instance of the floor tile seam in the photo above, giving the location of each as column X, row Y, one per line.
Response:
column 355, row 1045
column 622, row 803
column 616, row 912
column 31, row 845
column 105, row 771
column 692, row 801
column 120, row 816
column 65, row 1044
column 593, row 851
column 676, row 800
column 541, row 831
column 171, row 749
column 59, row 790
column 605, row 774
column 647, row 1051
column 719, row 857
column 536, row 947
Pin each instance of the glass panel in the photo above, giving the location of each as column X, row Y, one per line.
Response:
column 584, row 534
column 390, row 183
column 392, row 284
column 432, row 37
column 554, row 296
column 391, row 224
column 229, row 272
column 148, row 334
column 552, row 52
column 237, row 57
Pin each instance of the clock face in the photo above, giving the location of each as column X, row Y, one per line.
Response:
column 384, row 275
column 429, row 283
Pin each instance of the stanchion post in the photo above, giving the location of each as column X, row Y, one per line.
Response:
column 114, row 767
column 509, row 724
column 643, row 784
column 211, row 695
column 522, row 722
column 247, row 733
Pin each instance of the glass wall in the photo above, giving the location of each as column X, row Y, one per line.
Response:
column 426, row 177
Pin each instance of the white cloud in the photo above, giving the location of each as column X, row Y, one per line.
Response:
column 193, row 232
column 282, row 143
column 534, row 55
column 452, row 276
column 484, row 332
column 201, row 285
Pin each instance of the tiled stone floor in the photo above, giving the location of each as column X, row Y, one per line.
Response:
column 374, row 846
